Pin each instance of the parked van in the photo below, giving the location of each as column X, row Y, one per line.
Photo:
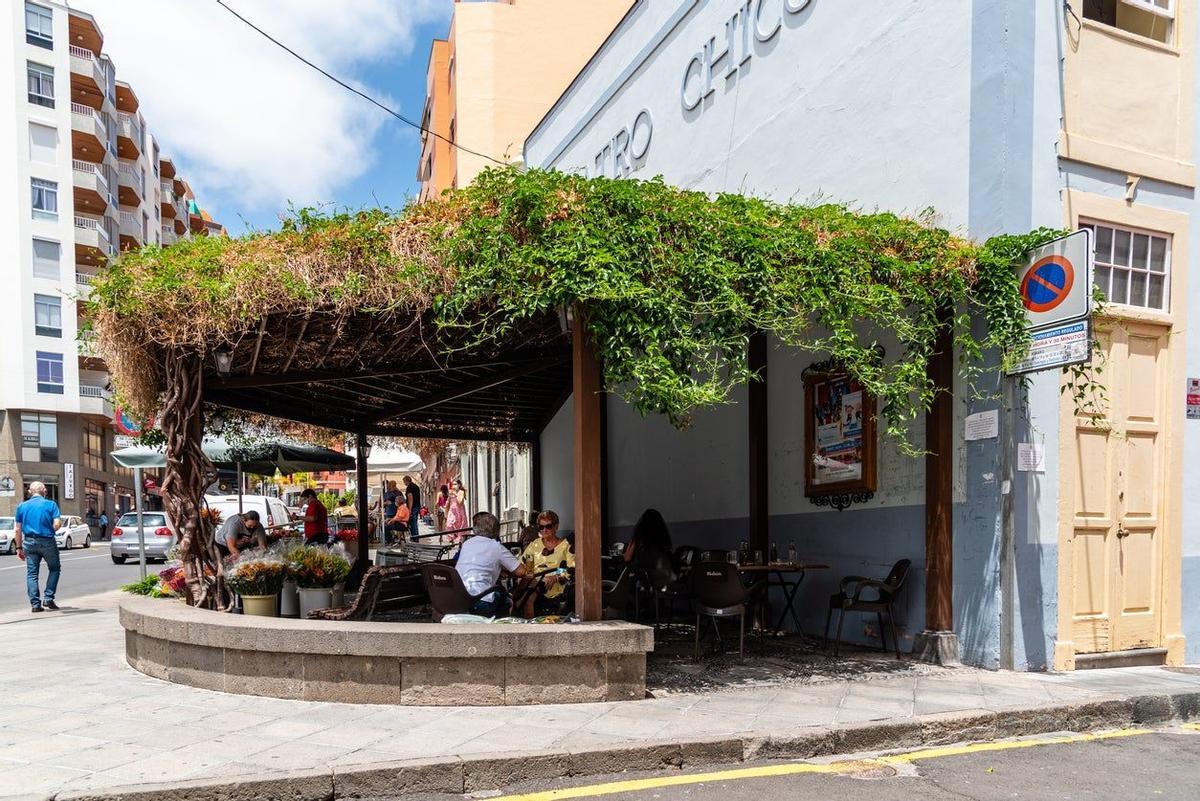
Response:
column 271, row 511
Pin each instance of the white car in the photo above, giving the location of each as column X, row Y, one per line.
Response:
column 8, row 543
column 73, row 532
column 271, row 511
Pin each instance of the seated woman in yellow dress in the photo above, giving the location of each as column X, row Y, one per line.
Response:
column 547, row 553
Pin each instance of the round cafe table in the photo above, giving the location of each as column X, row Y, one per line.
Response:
column 787, row 576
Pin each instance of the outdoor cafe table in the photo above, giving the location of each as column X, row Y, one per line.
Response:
column 787, row 576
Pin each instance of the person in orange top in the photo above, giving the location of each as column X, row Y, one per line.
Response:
column 316, row 519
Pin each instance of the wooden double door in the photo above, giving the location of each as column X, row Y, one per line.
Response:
column 1114, row 540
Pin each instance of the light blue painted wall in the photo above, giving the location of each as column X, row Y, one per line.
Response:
column 898, row 105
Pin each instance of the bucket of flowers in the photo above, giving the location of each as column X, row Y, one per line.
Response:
column 257, row 578
column 286, row 548
column 316, row 571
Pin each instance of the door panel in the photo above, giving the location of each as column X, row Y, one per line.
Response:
column 1119, row 480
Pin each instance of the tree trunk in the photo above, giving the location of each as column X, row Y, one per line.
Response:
column 187, row 473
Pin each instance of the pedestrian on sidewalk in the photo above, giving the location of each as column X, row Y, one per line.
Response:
column 36, row 521
column 103, row 524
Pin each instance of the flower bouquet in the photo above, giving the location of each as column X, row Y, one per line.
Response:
column 317, row 571
column 347, row 535
column 257, row 577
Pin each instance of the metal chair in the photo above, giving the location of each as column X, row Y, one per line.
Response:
column 447, row 593
column 719, row 593
column 851, row 600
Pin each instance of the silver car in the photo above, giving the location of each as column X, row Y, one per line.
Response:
column 8, row 543
column 158, row 531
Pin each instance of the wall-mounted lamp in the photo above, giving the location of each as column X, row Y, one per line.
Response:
column 223, row 356
column 366, row 449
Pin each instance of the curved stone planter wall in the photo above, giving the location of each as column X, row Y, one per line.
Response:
column 386, row 663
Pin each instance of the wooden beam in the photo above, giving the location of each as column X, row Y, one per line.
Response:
column 588, row 492
column 758, row 445
column 262, row 329
column 939, row 483
column 363, row 508
column 299, row 338
column 299, row 377
column 461, row 391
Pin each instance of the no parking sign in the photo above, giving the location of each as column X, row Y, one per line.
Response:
column 1056, row 288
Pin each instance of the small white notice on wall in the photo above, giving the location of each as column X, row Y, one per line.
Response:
column 1031, row 457
column 982, row 425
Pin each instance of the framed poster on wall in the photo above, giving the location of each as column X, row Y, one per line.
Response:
column 839, row 433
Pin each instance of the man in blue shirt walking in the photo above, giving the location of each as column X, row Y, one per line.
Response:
column 36, row 521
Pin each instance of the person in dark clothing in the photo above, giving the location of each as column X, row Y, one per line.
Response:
column 650, row 540
column 412, row 496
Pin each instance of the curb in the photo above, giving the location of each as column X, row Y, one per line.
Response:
column 457, row 776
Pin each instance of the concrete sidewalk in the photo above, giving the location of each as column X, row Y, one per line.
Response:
column 78, row 722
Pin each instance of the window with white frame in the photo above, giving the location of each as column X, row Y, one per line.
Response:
column 1153, row 19
column 49, row 373
column 47, row 315
column 46, row 255
column 39, row 26
column 43, row 143
column 1133, row 267
column 40, row 84
column 44, row 197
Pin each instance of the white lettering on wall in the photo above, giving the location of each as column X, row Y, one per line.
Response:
column 726, row 52
column 623, row 153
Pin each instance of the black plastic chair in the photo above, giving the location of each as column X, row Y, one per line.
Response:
column 685, row 557
column 447, row 593
column 851, row 600
column 618, row 593
column 719, row 593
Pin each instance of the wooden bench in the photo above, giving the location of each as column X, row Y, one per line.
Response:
column 384, row 589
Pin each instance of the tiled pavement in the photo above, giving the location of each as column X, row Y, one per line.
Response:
column 75, row 716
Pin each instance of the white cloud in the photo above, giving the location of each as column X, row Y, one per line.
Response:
column 244, row 119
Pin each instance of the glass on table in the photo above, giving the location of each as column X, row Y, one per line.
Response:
column 758, row 557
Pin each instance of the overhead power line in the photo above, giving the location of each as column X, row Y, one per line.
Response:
column 350, row 88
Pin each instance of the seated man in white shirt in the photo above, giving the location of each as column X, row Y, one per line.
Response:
column 480, row 560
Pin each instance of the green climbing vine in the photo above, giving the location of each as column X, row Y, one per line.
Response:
column 671, row 284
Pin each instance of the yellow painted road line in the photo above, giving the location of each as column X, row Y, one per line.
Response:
column 795, row 768
column 1191, row 726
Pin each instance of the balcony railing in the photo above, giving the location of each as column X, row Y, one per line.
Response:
column 93, row 391
column 91, row 224
column 92, row 169
column 167, row 189
column 90, row 116
column 82, row 52
column 130, row 128
column 84, row 279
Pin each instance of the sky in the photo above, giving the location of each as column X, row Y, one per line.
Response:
column 252, row 129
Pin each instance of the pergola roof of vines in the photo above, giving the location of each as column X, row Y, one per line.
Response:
column 443, row 320
column 391, row 374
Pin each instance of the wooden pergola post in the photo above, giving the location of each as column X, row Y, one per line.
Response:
column 586, row 386
column 362, row 505
column 758, row 443
column 938, row 642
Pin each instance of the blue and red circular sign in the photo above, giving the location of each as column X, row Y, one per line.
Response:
column 1048, row 283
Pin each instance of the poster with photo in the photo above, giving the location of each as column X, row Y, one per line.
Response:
column 840, row 431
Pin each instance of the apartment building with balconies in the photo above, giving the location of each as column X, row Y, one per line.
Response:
column 82, row 178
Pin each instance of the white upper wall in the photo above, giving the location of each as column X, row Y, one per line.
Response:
column 829, row 101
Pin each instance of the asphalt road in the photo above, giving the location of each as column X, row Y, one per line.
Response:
column 85, row 571
column 1161, row 765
